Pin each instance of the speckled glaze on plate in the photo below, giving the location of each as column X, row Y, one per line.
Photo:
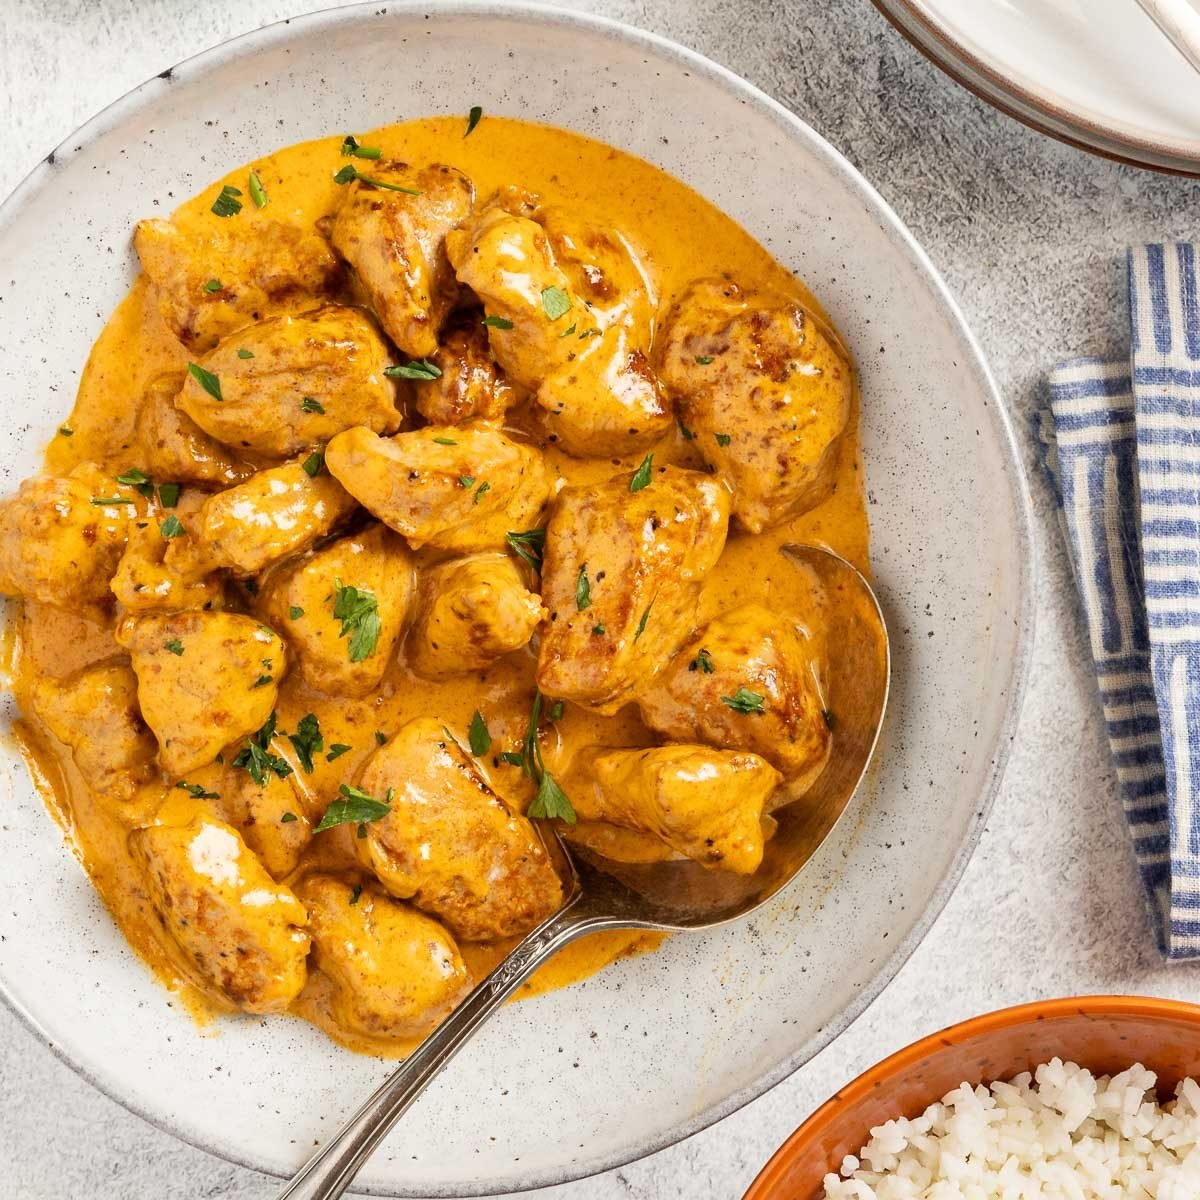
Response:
column 655, row 1048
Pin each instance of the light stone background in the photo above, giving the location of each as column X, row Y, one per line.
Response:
column 1029, row 235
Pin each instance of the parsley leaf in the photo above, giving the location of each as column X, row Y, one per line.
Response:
column 473, row 119
column 745, row 701
column 478, row 735
column 138, row 480
column 704, row 359
column 349, row 173
column 295, row 612
column 313, row 463
column 168, row 494
column 551, row 801
column 255, row 756
column 206, row 379
column 466, row 481
column 214, row 285
column 171, row 526
column 529, row 545
column 599, row 630
column 723, row 439
column 309, row 405
column 358, row 611
column 287, row 818
column 227, row 203
column 307, row 740
column 337, row 750
column 555, row 302
column 641, row 477
column 445, row 441
column 101, row 501
column 380, row 738
column 497, row 322
column 702, row 662
column 196, row 791
column 583, row 590
column 641, row 626
column 66, row 431
column 421, row 368
column 244, row 353
column 175, row 646
column 351, row 149
column 354, row 808
column 354, row 895
column 483, row 487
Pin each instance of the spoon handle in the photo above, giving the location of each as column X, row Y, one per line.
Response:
column 328, row 1173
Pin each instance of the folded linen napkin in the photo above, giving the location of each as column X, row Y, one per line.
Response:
column 1122, row 441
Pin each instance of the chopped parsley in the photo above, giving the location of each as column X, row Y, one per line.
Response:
column 307, row 740
column 337, row 750
column 354, row 895
column 352, row 149
column 641, row 626
column 168, row 494
column 244, row 353
column 473, row 119
column 466, row 481
column 358, row 611
column 497, row 322
column 556, row 710
column 196, row 791
column 641, row 477
column 175, row 646
column 256, row 758
column 420, row 368
column 66, row 431
column 478, row 736
column 100, row 501
column 704, row 359
column 445, row 441
column 723, row 439
column 287, row 818
column 380, row 738
column 138, row 480
column 583, row 590
column 258, row 193
column 295, row 612
column 354, row 808
column 309, row 405
column 570, row 329
column 227, row 203
column 688, row 435
column 598, row 630
column 555, row 302
column 263, row 680
column 214, row 285
column 349, row 173
column 171, row 526
column 702, row 662
column 745, row 701
column 483, row 487
column 512, row 758
column 551, row 801
column 206, row 379
column 313, row 463
column 528, row 545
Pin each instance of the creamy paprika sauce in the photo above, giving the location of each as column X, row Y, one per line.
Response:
column 676, row 238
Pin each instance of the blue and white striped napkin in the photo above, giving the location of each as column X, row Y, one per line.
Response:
column 1122, row 442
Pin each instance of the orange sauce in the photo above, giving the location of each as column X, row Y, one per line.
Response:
column 682, row 236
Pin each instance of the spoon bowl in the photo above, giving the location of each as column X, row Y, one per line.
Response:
column 673, row 896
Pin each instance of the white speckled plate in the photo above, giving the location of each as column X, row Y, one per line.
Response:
column 1096, row 73
column 658, row 1047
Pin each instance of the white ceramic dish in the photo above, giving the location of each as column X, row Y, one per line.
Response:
column 1096, row 73
column 656, row 1048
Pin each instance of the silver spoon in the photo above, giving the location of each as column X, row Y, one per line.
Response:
column 669, row 896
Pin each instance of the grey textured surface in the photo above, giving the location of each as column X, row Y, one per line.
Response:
column 1028, row 234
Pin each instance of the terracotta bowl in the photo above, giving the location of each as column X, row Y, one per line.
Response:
column 1105, row 1034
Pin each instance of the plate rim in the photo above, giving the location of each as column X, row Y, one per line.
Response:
column 1028, row 566
column 1045, row 113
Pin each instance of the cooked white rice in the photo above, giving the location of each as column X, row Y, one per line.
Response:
column 1067, row 1136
